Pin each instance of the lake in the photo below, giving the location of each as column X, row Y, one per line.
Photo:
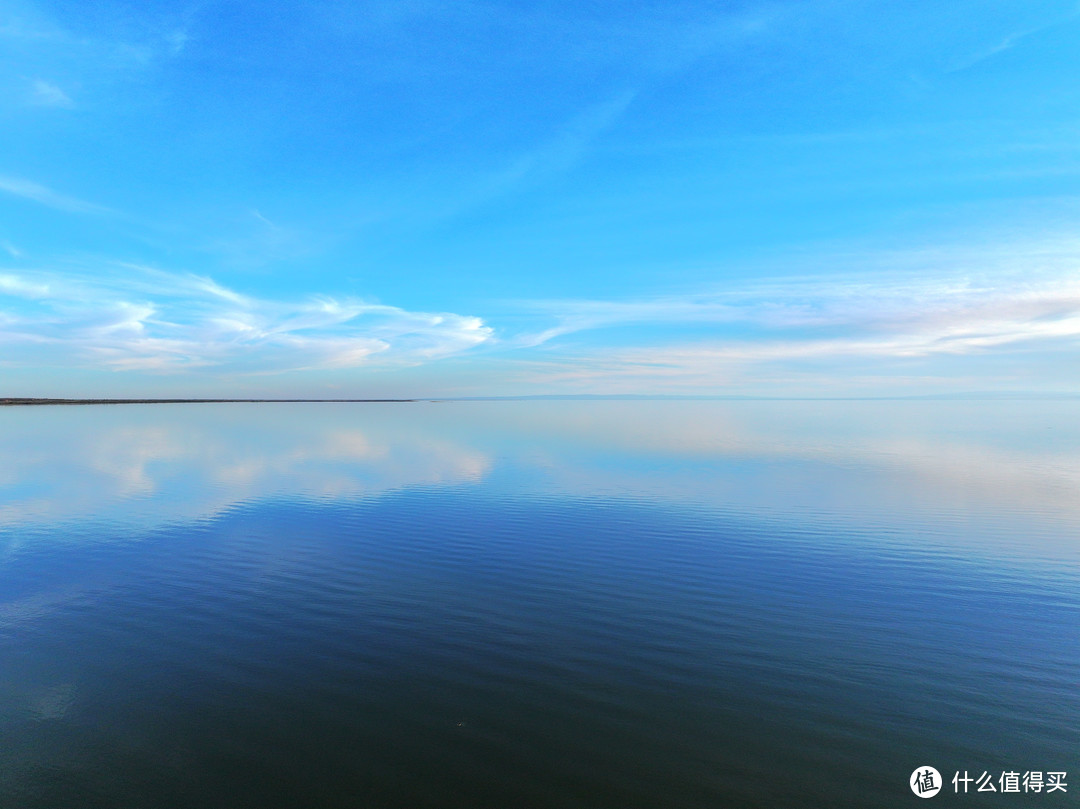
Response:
column 539, row 603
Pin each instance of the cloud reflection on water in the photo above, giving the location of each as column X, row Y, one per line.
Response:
column 143, row 466
column 146, row 465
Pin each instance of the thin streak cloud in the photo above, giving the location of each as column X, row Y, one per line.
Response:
column 184, row 322
column 47, row 94
column 43, row 195
column 15, row 285
column 830, row 328
column 559, row 153
column 995, row 300
column 1010, row 41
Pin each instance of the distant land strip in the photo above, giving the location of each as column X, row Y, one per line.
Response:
column 586, row 397
column 23, row 401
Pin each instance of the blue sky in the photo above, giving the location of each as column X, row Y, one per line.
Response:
column 423, row 198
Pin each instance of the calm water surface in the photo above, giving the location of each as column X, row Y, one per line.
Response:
column 537, row 604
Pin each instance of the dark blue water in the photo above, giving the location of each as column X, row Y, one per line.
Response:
column 558, row 604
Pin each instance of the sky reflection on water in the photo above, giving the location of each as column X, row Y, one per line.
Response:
column 564, row 603
column 882, row 461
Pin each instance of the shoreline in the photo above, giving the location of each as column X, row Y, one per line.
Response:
column 16, row 401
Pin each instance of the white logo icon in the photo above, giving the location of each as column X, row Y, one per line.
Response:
column 925, row 781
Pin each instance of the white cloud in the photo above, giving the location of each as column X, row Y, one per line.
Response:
column 177, row 41
column 566, row 148
column 1010, row 40
column 1008, row 289
column 181, row 322
column 559, row 152
column 833, row 328
column 585, row 315
column 47, row 94
column 16, row 285
column 46, row 196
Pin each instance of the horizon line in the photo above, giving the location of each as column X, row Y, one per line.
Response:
column 15, row 401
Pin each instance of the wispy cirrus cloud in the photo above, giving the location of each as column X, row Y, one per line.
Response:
column 46, row 94
column 1010, row 41
column 16, row 285
column 48, row 54
column 565, row 147
column 836, row 328
column 43, row 195
column 923, row 314
column 143, row 319
column 587, row 315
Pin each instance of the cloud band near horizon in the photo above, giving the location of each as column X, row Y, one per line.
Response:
column 143, row 319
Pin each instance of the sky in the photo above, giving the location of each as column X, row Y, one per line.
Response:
column 424, row 199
